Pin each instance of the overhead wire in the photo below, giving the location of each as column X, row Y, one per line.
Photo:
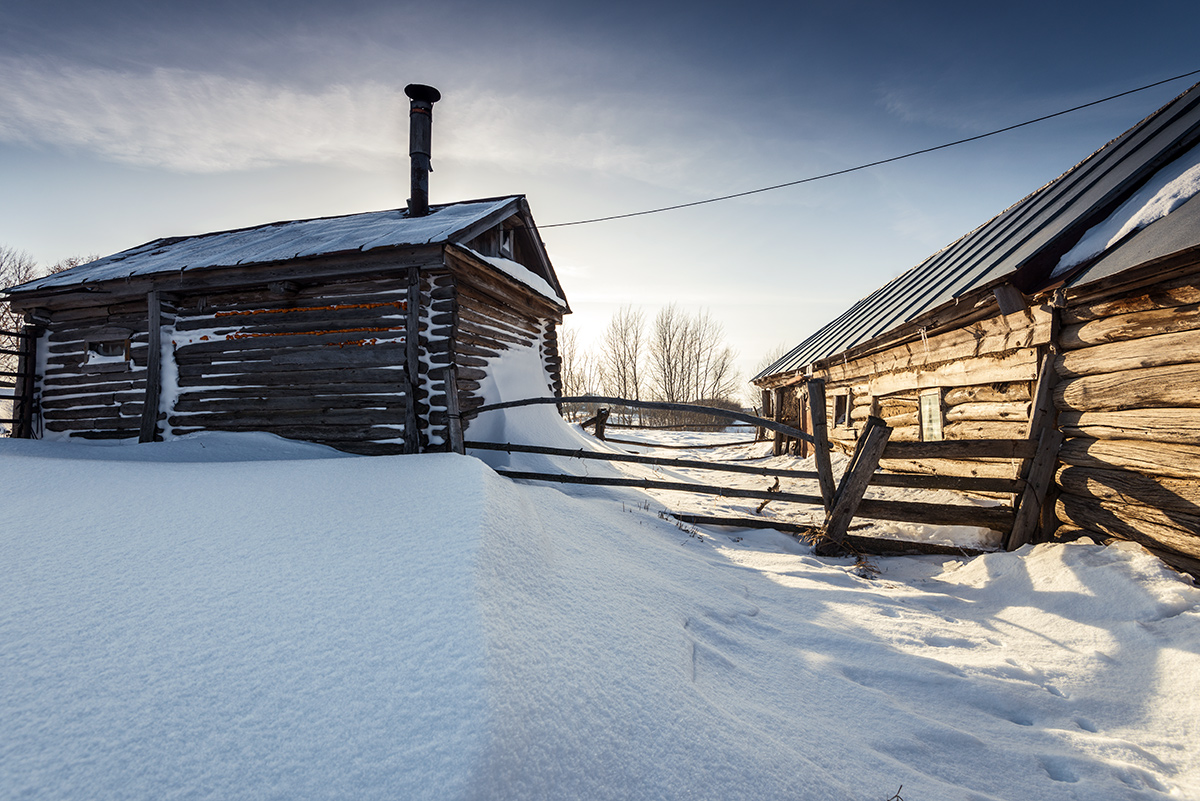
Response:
column 868, row 165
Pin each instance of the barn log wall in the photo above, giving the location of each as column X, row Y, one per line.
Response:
column 84, row 393
column 1128, row 402
column 495, row 315
column 985, row 370
column 324, row 363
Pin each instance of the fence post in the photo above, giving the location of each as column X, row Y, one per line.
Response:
column 854, row 483
column 601, row 419
column 820, row 434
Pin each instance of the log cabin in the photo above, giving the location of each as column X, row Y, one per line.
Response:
column 1076, row 310
column 371, row 332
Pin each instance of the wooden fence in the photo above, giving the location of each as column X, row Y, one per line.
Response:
column 844, row 500
column 16, row 384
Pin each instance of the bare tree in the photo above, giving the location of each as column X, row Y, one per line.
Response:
column 578, row 371
column 688, row 358
column 621, row 355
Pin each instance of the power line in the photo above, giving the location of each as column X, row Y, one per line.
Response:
column 873, row 163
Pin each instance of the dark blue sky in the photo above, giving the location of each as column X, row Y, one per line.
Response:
column 125, row 121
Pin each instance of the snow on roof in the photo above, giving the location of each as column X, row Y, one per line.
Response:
column 519, row 273
column 280, row 241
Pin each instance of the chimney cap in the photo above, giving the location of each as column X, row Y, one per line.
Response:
column 419, row 91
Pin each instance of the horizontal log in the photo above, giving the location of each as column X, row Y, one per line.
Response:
column 999, row 411
column 966, row 430
column 282, row 418
column 995, row 518
column 1127, row 486
column 332, row 339
column 1173, row 385
column 989, row 337
column 299, row 402
column 94, row 412
column 652, row 405
column 723, row 467
column 304, row 432
column 905, row 419
column 1151, row 351
column 64, row 382
column 1174, row 532
column 674, row 486
column 1012, row 448
column 1151, row 458
column 1177, row 292
column 905, row 433
column 283, row 320
column 320, row 389
column 375, row 376
column 982, row 468
column 1173, row 425
column 1018, row 365
column 974, row 484
column 1135, row 325
column 1011, row 392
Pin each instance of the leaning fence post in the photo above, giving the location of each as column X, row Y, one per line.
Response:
column 854, row 483
column 820, row 434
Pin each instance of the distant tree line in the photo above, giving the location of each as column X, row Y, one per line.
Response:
column 677, row 358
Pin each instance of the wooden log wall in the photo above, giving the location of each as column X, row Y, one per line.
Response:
column 986, row 370
column 325, row 363
column 496, row 315
column 85, row 393
column 1128, row 402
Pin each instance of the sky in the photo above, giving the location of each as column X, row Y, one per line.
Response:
column 126, row 121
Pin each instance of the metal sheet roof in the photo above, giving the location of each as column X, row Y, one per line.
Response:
column 1021, row 244
column 280, row 241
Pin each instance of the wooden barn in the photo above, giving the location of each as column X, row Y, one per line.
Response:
column 1071, row 319
column 370, row 332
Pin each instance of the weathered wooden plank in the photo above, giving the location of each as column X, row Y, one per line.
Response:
column 1178, row 292
column 974, row 484
column 998, row 335
column 854, row 483
column 962, row 449
column 1018, row 365
column 1151, row 351
column 988, row 393
column 374, row 375
column 674, row 486
column 330, row 401
column 999, row 411
column 282, row 418
column 977, row 430
column 995, row 518
column 721, row 467
column 346, row 338
column 299, row 389
column 1171, row 385
column 1037, row 483
column 1174, row 425
column 1151, row 458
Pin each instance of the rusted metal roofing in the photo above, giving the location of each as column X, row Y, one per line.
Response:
column 1022, row 244
column 281, row 241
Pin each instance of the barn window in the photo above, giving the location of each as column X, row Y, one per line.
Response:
column 506, row 242
column 931, row 415
column 841, row 409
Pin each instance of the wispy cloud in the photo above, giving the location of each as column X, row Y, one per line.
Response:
column 190, row 121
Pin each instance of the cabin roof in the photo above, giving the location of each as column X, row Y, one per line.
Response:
column 1025, row 243
column 281, row 241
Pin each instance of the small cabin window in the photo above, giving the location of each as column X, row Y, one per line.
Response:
column 506, row 242
column 841, row 410
column 931, row 415
column 109, row 351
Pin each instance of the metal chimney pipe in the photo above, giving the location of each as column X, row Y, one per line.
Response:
column 420, row 132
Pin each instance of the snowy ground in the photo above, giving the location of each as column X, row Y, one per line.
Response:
column 244, row 617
